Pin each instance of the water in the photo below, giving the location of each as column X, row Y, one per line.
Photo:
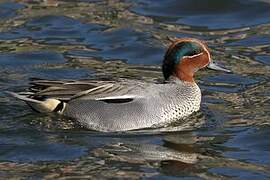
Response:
column 79, row 39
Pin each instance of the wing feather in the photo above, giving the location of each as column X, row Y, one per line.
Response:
column 88, row 89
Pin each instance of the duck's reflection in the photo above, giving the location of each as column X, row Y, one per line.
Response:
column 182, row 154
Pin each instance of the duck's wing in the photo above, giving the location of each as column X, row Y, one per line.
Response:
column 51, row 95
column 66, row 90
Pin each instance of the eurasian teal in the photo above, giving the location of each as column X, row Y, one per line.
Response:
column 128, row 104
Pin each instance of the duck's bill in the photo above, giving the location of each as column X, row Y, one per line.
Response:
column 216, row 67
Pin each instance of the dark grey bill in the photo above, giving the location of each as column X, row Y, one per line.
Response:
column 216, row 67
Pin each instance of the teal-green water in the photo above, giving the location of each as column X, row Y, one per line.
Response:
column 61, row 39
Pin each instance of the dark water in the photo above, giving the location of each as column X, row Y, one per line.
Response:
column 123, row 38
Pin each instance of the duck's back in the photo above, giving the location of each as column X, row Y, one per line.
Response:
column 152, row 106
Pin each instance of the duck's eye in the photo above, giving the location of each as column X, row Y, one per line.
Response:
column 193, row 52
column 183, row 49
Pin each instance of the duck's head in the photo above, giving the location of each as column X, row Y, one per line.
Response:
column 184, row 57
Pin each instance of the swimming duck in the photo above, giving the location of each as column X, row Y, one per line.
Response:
column 128, row 104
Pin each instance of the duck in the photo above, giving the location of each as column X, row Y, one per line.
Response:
column 124, row 105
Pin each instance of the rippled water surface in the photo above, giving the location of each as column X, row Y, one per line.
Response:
column 123, row 38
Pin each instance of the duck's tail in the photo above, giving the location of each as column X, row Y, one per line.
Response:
column 42, row 106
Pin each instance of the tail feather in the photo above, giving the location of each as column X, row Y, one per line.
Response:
column 44, row 106
column 22, row 97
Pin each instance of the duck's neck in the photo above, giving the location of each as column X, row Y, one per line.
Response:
column 184, row 73
column 184, row 79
